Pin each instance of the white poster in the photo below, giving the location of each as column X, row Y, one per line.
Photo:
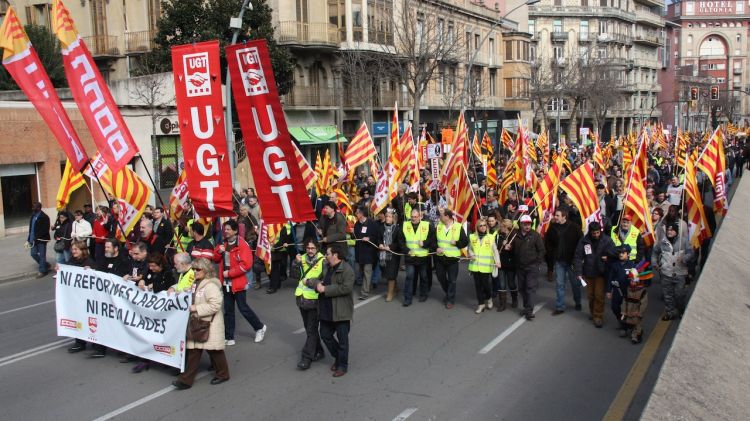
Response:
column 105, row 309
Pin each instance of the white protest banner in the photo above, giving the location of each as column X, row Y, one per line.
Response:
column 103, row 308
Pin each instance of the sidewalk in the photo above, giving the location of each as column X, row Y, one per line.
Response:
column 16, row 260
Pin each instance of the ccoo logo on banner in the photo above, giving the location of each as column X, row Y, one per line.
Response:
column 104, row 309
column 278, row 178
column 201, row 120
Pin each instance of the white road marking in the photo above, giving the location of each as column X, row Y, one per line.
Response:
column 143, row 400
column 406, row 413
column 508, row 331
column 25, row 307
column 356, row 306
column 10, row 359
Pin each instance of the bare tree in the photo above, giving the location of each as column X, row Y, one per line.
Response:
column 421, row 44
column 151, row 89
column 364, row 73
column 450, row 92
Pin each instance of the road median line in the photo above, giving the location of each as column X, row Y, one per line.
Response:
column 495, row 342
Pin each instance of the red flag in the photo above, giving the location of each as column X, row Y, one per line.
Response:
column 91, row 94
column 278, row 178
column 22, row 62
column 200, row 112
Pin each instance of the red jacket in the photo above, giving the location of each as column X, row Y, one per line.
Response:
column 242, row 262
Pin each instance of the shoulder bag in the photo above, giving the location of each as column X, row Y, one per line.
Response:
column 198, row 329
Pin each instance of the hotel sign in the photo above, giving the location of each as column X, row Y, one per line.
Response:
column 715, row 7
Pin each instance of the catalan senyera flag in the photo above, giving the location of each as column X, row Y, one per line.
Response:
column 636, row 205
column 509, row 177
column 308, row 174
column 542, row 142
column 387, row 186
column 459, row 152
column 487, row 145
column 492, row 181
column 71, row 181
column 178, row 199
column 546, row 195
column 21, row 61
column 325, row 174
column 681, row 147
column 712, row 163
column 460, row 196
column 414, row 175
column 598, row 156
column 699, row 230
column 476, row 148
column 406, row 153
column 507, row 140
column 125, row 186
column 580, row 188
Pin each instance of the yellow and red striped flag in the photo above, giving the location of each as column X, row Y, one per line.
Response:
column 635, row 203
column 546, row 195
column 325, row 172
column 178, row 199
column 698, row 223
column 509, row 177
column 71, row 181
column 580, row 188
column 681, row 147
column 460, row 194
column 543, row 143
column 712, row 163
column 386, row 188
column 458, row 153
column 406, row 153
column 487, row 145
column 491, row 174
column 598, row 156
column 507, row 140
column 476, row 148
column 308, row 175
column 360, row 149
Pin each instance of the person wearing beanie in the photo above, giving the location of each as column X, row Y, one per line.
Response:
column 590, row 263
column 670, row 258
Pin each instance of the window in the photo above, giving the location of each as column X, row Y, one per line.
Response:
column 420, row 28
column 532, row 27
column 493, row 82
column 559, row 53
column 738, row 38
column 39, row 14
column 739, row 8
column 558, row 104
column 476, row 41
column 450, row 33
column 584, row 30
column 584, row 3
column 442, row 82
column 712, row 46
column 603, row 27
column 519, row 47
column 301, row 10
column 690, row 8
column 169, row 160
column 532, row 53
column 492, row 50
column 557, row 26
column 451, row 80
column 508, row 50
column 525, row 46
column 440, row 29
column 467, row 45
column 603, row 3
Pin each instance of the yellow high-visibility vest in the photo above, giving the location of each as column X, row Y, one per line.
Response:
column 446, row 236
column 302, row 289
column 413, row 238
column 631, row 239
column 484, row 260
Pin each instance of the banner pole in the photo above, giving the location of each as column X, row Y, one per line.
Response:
column 96, row 175
column 153, row 184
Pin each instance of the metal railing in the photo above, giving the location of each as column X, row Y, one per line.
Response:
column 102, row 45
column 612, row 37
column 291, row 32
column 379, row 37
column 139, row 42
column 652, row 39
column 594, row 11
column 310, row 97
column 558, row 36
column 648, row 17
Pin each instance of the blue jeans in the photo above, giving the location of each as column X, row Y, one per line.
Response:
column 376, row 274
column 507, row 281
column 39, row 254
column 338, row 346
column 564, row 271
column 63, row 257
column 411, row 281
column 240, row 298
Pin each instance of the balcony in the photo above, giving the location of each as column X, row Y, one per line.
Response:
column 305, row 96
column 558, row 62
column 139, row 42
column 645, row 16
column 648, row 39
column 102, row 46
column 556, row 36
column 307, row 34
column 580, row 12
column 379, row 37
column 613, row 38
column 586, row 37
column 737, row 71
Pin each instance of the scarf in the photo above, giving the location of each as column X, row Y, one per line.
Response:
column 387, row 240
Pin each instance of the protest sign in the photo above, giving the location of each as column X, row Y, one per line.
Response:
column 104, row 309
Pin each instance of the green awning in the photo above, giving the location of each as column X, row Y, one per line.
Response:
column 316, row 135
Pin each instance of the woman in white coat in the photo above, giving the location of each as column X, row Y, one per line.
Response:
column 207, row 304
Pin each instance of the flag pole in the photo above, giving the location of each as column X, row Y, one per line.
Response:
column 119, row 224
column 153, row 184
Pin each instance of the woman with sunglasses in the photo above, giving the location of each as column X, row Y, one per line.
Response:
column 482, row 252
column 207, row 305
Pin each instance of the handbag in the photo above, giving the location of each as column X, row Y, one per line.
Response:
column 198, row 329
column 59, row 246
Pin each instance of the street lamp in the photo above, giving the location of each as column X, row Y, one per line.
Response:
column 481, row 43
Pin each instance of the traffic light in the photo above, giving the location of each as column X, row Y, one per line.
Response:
column 714, row 93
column 693, row 94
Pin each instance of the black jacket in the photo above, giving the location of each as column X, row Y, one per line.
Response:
column 561, row 242
column 63, row 231
column 364, row 252
column 160, row 281
column 41, row 228
column 588, row 257
column 119, row 265
column 528, row 250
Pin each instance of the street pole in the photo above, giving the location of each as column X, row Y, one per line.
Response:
column 236, row 25
column 481, row 43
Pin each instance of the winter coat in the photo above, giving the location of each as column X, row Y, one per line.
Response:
column 41, row 228
column 63, row 232
column 339, row 291
column 561, row 241
column 618, row 273
column 528, row 250
column 588, row 256
column 672, row 259
column 241, row 262
column 81, row 230
column 103, row 229
column 334, row 231
column 208, row 302
column 364, row 252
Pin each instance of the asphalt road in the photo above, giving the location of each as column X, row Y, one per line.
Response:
column 418, row 363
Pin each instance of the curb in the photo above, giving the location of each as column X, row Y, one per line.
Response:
column 17, row 277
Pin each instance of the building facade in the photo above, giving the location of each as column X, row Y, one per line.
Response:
column 625, row 35
column 707, row 47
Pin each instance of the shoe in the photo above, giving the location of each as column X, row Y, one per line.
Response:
column 406, row 304
column 338, row 373
column 303, row 364
column 257, row 285
column 334, row 366
column 578, row 307
column 489, row 304
column 218, row 380
column 141, row 367
column 480, row 309
column 41, row 275
column 598, row 324
column 558, row 312
column 529, row 315
column 449, row 306
column 271, row 291
column 98, row 354
column 422, row 299
column 180, row 385
column 635, row 340
column 229, row 342
column 362, row 297
column 668, row 316
column 76, row 348
column 318, row 356
column 259, row 335
column 623, row 333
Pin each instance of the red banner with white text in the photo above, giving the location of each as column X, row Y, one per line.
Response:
column 22, row 62
column 278, row 179
column 200, row 111
column 91, row 93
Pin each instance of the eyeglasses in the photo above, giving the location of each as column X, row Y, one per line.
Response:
column 482, row 226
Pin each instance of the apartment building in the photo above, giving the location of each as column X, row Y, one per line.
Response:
column 707, row 46
column 323, row 35
column 628, row 34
